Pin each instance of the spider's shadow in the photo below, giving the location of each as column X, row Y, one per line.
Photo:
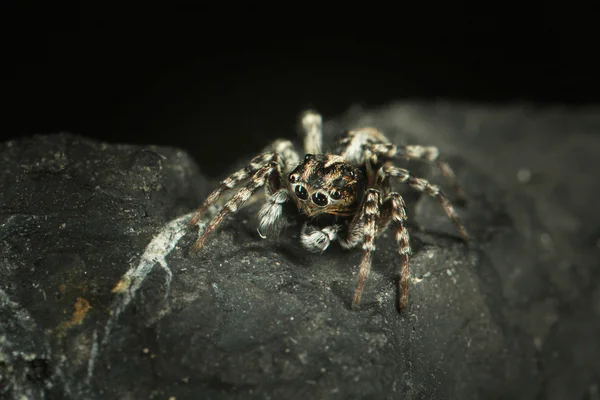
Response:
column 343, row 261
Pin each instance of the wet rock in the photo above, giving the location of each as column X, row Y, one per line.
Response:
column 100, row 297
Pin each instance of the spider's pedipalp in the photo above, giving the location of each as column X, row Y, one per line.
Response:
column 393, row 211
column 317, row 240
column 312, row 127
column 270, row 215
column 427, row 153
column 232, row 181
column 422, row 185
column 371, row 211
column 258, row 180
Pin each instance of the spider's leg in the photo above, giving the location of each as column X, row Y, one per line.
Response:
column 317, row 240
column 355, row 233
column 288, row 155
column 258, row 180
column 393, row 211
column 370, row 211
column 312, row 126
column 427, row 153
column 232, row 180
column 356, row 144
column 422, row 185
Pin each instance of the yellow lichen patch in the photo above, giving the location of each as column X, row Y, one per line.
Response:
column 122, row 285
column 81, row 307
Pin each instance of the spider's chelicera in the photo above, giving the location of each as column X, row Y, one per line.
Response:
column 344, row 196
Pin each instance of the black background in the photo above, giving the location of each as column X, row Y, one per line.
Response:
column 222, row 81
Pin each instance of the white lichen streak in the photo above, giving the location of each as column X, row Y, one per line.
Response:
column 93, row 355
column 9, row 353
column 18, row 312
column 155, row 253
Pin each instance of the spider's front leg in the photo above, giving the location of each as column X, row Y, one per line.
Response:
column 363, row 229
column 233, row 180
column 422, row 185
column 258, row 179
column 369, row 213
column 393, row 211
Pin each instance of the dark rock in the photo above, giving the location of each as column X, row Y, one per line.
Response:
column 100, row 298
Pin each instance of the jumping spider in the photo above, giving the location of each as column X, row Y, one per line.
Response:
column 345, row 196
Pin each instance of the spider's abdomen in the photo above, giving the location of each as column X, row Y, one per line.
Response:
column 327, row 184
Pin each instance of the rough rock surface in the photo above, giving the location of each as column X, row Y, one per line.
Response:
column 99, row 297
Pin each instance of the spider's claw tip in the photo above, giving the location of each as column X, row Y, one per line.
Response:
column 197, row 246
column 468, row 240
column 402, row 304
column 471, row 244
column 260, row 233
column 194, row 221
column 356, row 301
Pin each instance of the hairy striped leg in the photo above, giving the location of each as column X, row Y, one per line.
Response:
column 388, row 170
column 371, row 211
column 355, row 232
column 233, row 180
column 356, row 147
column 259, row 179
column 427, row 153
column 393, row 212
column 356, row 144
column 312, row 126
column 288, row 156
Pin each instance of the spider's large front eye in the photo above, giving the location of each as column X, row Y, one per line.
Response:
column 319, row 199
column 301, row 192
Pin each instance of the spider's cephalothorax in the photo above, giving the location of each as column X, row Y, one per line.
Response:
column 345, row 197
column 326, row 184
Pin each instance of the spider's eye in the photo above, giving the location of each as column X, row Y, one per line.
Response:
column 352, row 174
column 336, row 195
column 309, row 157
column 292, row 178
column 301, row 192
column 319, row 199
